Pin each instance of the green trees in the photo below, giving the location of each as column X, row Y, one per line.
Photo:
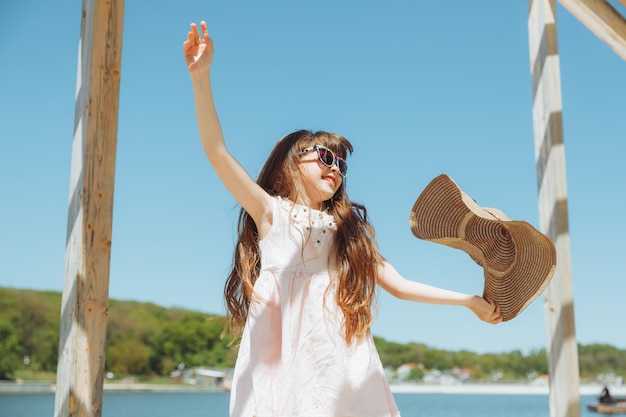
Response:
column 145, row 339
column 128, row 357
column 142, row 338
column 33, row 318
column 194, row 339
column 601, row 359
column 9, row 350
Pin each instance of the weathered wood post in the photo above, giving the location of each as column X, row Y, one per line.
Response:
column 80, row 372
column 562, row 347
column 601, row 19
column 610, row 26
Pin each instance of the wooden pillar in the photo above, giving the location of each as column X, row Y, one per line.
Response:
column 80, row 372
column 601, row 19
column 562, row 347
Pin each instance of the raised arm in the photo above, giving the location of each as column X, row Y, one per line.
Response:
column 198, row 51
column 398, row 286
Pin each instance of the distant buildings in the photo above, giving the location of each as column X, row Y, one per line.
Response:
column 211, row 378
column 412, row 372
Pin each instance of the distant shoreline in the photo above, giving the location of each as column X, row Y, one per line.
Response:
column 495, row 388
column 47, row 387
column 491, row 389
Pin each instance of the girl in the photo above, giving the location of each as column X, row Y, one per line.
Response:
column 304, row 274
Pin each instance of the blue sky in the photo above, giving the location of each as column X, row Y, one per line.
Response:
column 420, row 88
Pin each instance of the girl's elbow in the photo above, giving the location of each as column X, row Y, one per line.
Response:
column 397, row 292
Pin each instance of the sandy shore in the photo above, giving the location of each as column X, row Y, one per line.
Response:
column 520, row 389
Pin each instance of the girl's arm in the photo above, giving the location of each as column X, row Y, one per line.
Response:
column 398, row 286
column 198, row 51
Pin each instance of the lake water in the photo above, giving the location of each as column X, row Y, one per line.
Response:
column 215, row 404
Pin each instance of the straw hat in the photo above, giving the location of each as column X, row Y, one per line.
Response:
column 518, row 260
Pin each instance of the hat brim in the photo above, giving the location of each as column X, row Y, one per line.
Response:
column 518, row 260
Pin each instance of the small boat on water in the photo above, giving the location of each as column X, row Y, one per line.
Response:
column 607, row 404
column 618, row 407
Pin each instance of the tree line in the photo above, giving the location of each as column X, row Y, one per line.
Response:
column 144, row 339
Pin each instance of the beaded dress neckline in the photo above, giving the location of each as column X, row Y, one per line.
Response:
column 319, row 223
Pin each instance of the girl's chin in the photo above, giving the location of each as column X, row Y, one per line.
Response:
column 326, row 195
column 332, row 185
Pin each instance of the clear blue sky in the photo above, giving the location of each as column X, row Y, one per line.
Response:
column 420, row 88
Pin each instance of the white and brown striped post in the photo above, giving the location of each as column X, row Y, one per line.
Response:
column 80, row 371
column 603, row 20
column 562, row 347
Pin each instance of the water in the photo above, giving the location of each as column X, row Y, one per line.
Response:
column 203, row 404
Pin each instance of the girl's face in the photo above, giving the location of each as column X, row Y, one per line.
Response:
column 321, row 182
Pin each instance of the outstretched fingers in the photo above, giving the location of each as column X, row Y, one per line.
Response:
column 194, row 33
column 193, row 37
column 189, row 42
column 205, row 31
column 198, row 48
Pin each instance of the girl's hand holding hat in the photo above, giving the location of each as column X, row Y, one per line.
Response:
column 485, row 309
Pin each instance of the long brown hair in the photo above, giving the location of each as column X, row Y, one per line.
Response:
column 355, row 257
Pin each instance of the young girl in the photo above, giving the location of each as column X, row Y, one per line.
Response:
column 304, row 274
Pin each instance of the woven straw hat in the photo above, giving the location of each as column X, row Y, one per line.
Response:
column 518, row 260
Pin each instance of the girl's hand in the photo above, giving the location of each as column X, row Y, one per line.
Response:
column 486, row 309
column 198, row 51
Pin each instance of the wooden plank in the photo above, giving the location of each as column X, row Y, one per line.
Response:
column 562, row 348
column 603, row 20
column 80, row 372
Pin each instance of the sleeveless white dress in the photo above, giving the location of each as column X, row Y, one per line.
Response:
column 293, row 359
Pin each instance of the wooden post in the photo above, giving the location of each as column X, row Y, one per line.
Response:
column 80, row 372
column 603, row 20
column 553, row 217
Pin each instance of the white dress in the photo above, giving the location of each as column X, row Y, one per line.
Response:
column 293, row 359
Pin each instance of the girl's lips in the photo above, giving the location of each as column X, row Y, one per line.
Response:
column 330, row 178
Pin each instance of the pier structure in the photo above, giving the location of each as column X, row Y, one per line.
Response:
column 82, row 344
